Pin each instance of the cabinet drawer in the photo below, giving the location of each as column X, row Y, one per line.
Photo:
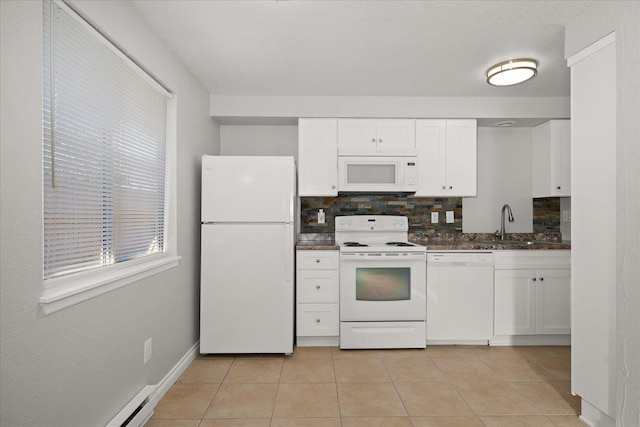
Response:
column 317, row 286
column 317, row 260
column 536, row 259
column 317, row 320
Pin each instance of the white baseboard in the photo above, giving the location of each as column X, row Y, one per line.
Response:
column 531, row 340
column 165, row 384
column 317, row 341
column 457, row 342
column 594, row 417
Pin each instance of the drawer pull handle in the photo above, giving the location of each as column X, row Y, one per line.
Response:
column 317, row 320
column 541, row 279
column 317, row 286
column 317, row 260
column 534, row 279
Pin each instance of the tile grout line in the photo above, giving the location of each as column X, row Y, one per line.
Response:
column 335, row 381
column 529, row 356
column 395, row 387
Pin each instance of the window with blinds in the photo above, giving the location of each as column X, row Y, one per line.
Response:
column 104, row 151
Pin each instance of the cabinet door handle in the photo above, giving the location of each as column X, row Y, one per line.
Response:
column 333, row 187
column 541, row 279
column 380, row 140
column 443, row 187
column 317, row 320
column 373, row 140
column 558, row 187
column 317, row 260
column 317, row 286
column 534, row 279
column 450, row 187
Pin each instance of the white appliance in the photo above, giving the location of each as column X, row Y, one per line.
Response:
column 377, row 174
column 382, row 283
column 459, row 298
column 247, row 268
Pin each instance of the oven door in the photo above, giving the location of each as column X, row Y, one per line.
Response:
column 382, row 286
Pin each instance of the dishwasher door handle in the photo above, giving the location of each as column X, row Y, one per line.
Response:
column 458, row 264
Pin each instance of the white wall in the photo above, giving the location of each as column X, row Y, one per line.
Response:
column 231, row 107
column 79, row 366
column 259, row 141
column 504, row 176
column 601, row 19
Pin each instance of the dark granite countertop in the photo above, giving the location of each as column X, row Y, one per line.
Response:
column 451, row 242
column 480, row 246
column 316, row 241
column 488, row 242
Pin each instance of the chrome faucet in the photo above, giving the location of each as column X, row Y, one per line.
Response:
column 502, row 232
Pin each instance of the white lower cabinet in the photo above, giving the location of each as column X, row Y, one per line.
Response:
column 317, row 296
column 532, row 292
column 317, row 320
column 553, row 302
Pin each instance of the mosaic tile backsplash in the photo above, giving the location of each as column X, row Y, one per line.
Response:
column 417, row 209
column 546, row 215
column 546, row 212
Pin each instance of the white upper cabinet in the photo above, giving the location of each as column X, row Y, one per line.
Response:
column 552, row 159
column 376, row 136
column 447, row 157
column 317, row 157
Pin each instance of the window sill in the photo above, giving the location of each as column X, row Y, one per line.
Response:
column 68, row 291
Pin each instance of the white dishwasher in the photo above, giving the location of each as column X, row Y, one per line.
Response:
column 459, row 297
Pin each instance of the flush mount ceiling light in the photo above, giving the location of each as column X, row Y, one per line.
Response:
column 506, row 123
column 511, row 72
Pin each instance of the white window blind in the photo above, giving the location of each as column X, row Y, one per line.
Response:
column 104, row 149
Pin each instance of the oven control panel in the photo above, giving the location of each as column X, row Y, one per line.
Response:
column 384, row 256
column 371, row 223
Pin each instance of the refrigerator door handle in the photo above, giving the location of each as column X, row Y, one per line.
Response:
column 292, row 192
column 288, row 274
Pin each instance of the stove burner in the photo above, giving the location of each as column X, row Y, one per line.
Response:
column 398, row 244
column 354, row 244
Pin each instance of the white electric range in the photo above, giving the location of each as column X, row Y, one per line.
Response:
column 382, row 283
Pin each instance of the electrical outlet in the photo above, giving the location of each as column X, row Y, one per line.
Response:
column 147, row 350
column 566, row 216
column 434, row 217
column 449, row 217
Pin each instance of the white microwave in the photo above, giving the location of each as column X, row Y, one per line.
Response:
column 377, row 174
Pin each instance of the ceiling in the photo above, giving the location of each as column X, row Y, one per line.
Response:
column 364, row 48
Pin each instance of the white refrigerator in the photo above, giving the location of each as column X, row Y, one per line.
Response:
column 247, row 265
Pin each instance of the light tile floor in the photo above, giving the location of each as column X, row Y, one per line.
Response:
column 325, row 386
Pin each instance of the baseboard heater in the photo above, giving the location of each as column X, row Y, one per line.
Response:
column 137, row 412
